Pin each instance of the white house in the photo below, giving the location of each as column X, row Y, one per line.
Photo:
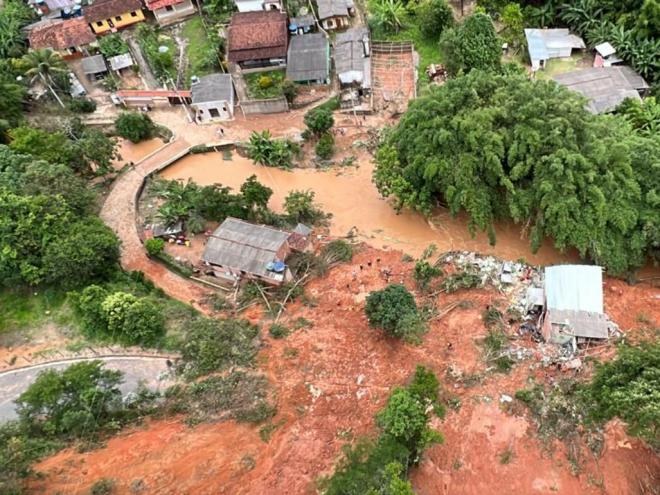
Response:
column 544, row 44
column 213, row 98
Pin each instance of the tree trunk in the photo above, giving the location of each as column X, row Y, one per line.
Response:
column 52, row 90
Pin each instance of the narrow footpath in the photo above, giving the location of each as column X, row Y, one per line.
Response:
column 119, row 213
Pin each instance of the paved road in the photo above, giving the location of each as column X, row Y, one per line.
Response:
column 151, row 371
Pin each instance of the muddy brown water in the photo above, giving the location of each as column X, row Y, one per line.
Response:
column 134, row 152
column 354, row 201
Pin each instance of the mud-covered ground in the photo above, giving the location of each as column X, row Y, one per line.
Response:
column 332, row 377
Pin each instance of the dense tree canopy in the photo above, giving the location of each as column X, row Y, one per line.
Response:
column 503, row 147
column 472, row 45
column 135, row 126
column 47, row 232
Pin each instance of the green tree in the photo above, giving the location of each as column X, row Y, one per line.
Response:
column 44, row 64
column 133, row 320
column 50, row 146
column 404, row 418
column 581, row 190
column 77, row 401
column 112, row 45
column 265, row 150
column 14, row 15
column 89, row 251
column 94, row 150
column 88, row 307
column 300, row 207
column 434, row 16
column 325, row 147
column 391, row 309
column 512, row 18
column 319, row 120
column 643, row 115
column 154, row 246
column 629, row 387
column 135, row 126
column 12, row 98
column 472, row 45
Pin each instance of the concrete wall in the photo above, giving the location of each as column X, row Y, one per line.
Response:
column 273, row 105
column 203, row 111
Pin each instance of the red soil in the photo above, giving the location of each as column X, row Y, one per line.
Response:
column 330, row 380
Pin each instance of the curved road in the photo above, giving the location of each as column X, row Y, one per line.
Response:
column 152, row 371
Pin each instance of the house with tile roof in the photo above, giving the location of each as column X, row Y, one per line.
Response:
column 257, row 39
column 111, row 15
column 68, row 37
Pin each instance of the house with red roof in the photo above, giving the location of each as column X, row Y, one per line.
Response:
column 169, row 12
column 257, row 39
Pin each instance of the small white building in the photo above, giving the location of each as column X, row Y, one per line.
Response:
column 168, row 12
column 213, row 98
column 544, row 44
column 606, row 55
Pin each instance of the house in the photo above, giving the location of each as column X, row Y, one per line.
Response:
column 120, row 62
column 257, row 39
column 606, row 55
column 69, row 38
column 309, row 59
column 544, row 44
column 574, row 304
column 168, row 12
column 57, row 8
column 238, row 249
column 110, row 15
column 94, row 67
column 301, row 24
column 352, row 58
column 335, row 14
column 258, row 5
column 604, row 87
column 213, row 98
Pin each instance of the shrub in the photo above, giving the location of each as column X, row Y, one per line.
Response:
column 278, row 331
column 461, row 280
column 319, row 120
column 337, row 251
column 104, row 486
column 87, row 305
column 265, row 82
column 434, row 16
column 424, row 272
column 391, row 309
column 133, row 320
column 212, row 345
column 289, row 90
column 82, row 105
column 135, row 126
column 265, row 150
column 112, row 44
column 325, row 147
column 154, row 246
column 300, row 207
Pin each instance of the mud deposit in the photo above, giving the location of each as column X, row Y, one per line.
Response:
column 332, row 377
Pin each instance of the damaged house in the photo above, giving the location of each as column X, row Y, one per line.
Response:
column 574, row 305
column 239, row 249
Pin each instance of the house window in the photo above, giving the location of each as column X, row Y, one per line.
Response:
column 169, row 8
column 133, row 14
column 99, row 23
column 117, row 18
column 214, row 112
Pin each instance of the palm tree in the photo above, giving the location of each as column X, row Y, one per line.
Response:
column 43, row 64
column 389, row 14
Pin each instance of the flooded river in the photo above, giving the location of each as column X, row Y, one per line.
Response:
column 134, row 152
column 354, row 201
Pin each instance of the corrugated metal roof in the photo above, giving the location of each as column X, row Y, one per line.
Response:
column 580, row 323
column 574, row 288
column 350, row 63
column 308, row 59
column 604, row 87
column 94, row 64
column 244, row 246
column 540, row 40
column 121, row 61
column 333, row 8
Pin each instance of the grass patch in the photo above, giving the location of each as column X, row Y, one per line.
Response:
column 201, row 49
column 494, row 349
column 29, row 308
column 150, row 39
column 278, row 331
column 262, row 85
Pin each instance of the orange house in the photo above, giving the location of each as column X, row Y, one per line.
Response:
column 110, row 15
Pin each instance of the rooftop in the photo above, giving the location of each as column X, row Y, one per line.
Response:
column 306, row 20
column 257, row 35
column 159, row 4
column 574, row 287
column 61, row 34
column 350, row 61
column 94, row 65
column 121, row 61
column 308, row 58
column 541, row 43
column 106, row 9
column 244, row 246
column 604, row 87
column 333, row 8
column 214, row 87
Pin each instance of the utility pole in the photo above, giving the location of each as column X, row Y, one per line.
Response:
column 182, row 100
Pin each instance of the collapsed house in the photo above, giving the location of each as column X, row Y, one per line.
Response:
column 239, row 249
column 573, row 305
